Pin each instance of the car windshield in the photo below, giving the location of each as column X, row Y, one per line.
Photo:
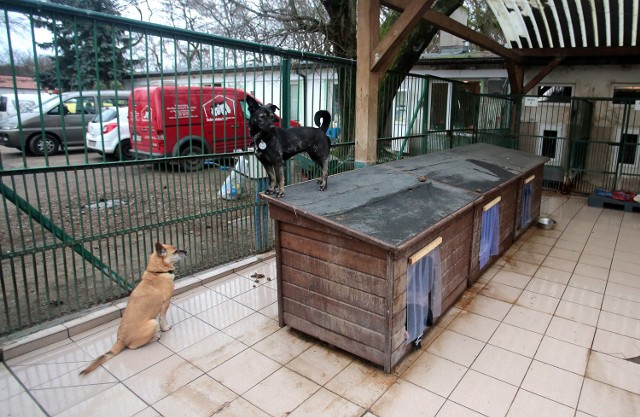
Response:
column 105, row 116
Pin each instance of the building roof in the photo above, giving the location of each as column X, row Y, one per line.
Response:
column 566, row 23
column 7, row 81
column 570, row 28
column 540, row 31
column 543, row 33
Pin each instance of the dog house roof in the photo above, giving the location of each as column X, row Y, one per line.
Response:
column 389, row 204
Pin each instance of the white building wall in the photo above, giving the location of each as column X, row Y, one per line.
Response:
column 592, row 80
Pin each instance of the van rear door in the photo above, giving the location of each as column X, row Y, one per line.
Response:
column 141, row 121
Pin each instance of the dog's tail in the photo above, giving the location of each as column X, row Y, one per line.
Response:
column 326, row 119
column 117, row 348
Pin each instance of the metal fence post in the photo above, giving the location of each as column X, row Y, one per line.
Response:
column 285, row 84
column 261, row 214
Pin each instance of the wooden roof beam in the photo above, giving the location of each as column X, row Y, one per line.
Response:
column 543, row 73
column 449, row 25
column 386, row 50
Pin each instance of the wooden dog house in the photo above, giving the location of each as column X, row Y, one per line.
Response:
column 344, row 255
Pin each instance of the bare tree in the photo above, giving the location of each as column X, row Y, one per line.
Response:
column 326, row 27
column 323, row 27
column 13, row 37
column 482, row 19
column 24, row 64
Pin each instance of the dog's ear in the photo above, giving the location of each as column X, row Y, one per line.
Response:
column 253, row 104
column 160, row 250
column 272, row 109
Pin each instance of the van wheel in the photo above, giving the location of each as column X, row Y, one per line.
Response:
column 124, row 151
column 191, row 164
column 44, row 145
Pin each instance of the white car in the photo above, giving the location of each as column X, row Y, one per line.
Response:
column 108, row 134
column 25, row 102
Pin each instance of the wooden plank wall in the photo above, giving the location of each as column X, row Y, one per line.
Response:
column 352, row 294
column 333, row 287
column 455, row 256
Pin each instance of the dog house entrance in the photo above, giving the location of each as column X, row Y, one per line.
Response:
column 424, row 291
column 490, row 231
column 527, row 196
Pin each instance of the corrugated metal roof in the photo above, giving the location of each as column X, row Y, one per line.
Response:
column 547, row 33
column 568, row 23
column 543, row 31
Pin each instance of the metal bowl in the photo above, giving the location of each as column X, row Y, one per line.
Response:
column 546, row 223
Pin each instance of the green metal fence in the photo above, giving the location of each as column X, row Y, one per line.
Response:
column 592, row 143
column 429, row 114
column 76, row 226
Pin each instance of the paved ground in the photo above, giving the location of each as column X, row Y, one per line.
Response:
column 546, row 331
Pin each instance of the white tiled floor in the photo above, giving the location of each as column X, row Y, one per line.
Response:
column 546, row 331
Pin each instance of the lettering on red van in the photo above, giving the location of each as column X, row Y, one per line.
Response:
column 145, row 114
column 181, row 111
column 219, row 108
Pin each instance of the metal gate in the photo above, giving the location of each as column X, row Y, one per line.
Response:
column 591, row 142
column 76, row 227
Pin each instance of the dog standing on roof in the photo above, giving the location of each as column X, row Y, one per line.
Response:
column 273, row 145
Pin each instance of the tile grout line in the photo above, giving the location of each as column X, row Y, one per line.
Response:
column 28, row 392
column 399, row 377
column 583, row 377
column 531, row 359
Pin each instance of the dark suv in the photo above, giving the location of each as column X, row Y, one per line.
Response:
column 61, row 123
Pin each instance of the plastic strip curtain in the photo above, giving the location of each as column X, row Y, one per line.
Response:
column 424, row 293
column 525, row 212
column 490, row 234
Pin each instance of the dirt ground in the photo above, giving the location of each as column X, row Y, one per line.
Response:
column 112, row 214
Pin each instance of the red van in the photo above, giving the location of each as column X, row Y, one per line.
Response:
column 188, row 120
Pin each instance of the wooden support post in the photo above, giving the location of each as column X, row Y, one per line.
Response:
column 367, row 84
column 516, row 77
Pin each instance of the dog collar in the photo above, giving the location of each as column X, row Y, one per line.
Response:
column 262, row 145
column 162, row 272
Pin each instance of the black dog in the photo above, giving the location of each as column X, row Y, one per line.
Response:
column 274, row 145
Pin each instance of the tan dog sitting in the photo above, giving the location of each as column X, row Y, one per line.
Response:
column 146, row 311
